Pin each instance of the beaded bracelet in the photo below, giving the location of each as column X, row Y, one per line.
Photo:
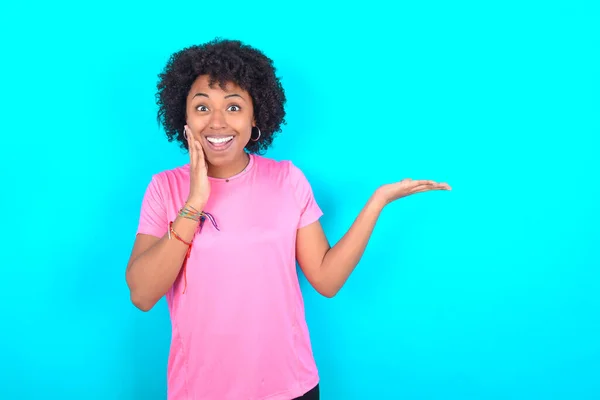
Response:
column 190, row 212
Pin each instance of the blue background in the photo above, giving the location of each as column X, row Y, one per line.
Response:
column 490, row 291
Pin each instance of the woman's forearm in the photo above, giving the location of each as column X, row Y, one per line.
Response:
column 152, row 273
column 342, row 258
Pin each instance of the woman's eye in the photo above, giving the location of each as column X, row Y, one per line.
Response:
column 202, row 108
column 234, row 108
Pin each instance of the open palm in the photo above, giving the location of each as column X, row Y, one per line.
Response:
column 406, row 187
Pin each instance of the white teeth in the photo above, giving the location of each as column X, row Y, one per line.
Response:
column 219, row 140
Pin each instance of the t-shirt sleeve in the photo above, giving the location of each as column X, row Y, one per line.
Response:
column 309, row 209
column 153, row 215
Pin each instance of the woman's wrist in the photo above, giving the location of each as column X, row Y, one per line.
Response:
column 378, row 200
column 190, row 212
column 196, row 204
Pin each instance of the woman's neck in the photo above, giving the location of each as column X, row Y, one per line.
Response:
column 229, row 170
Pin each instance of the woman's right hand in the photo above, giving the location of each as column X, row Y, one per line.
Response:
column 199, row 184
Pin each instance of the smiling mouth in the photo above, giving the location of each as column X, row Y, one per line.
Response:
column 219, row 143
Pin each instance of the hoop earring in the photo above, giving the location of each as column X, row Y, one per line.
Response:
column 185, row 134
column 256, row 140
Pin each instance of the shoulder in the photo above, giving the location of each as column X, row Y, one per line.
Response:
column 286, row 176
column 282, row 169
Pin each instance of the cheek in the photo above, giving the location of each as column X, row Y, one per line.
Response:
column 197, row 124
column 244, row 127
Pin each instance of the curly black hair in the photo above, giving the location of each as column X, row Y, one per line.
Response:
column 223, row 61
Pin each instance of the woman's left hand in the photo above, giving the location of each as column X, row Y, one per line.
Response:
column 406, row 187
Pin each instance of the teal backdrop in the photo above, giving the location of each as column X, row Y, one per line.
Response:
column 490, row 291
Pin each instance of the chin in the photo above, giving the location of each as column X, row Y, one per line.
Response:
column 219, row 161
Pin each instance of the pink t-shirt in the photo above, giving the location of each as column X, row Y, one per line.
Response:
column 239, row 330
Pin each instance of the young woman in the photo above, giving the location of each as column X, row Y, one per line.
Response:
column 220, row 236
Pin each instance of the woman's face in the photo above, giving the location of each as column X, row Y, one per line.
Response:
column 221, row 120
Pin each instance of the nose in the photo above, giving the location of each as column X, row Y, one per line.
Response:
column 217, row 120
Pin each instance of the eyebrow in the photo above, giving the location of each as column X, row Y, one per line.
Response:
column 226, row 97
